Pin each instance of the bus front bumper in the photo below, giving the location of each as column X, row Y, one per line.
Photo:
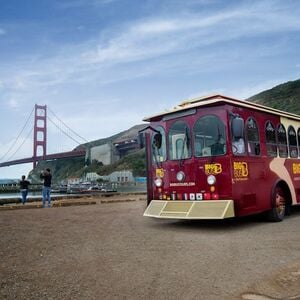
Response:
column 197, row 210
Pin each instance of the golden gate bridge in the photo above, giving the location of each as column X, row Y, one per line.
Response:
column 40, row 140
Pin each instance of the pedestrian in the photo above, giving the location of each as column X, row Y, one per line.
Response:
column 47, row 177
column 24, row 189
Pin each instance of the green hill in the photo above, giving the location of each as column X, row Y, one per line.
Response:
column 284, row 97
column 78, row 166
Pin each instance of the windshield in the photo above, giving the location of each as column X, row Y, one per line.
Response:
column 179, row 141
column 159, row 149
column 209, row 136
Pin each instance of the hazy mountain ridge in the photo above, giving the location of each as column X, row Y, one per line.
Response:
column 78, row 166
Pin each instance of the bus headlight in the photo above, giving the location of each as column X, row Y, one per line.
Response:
column 180, row 176
column 158, row 182
column 211, row 180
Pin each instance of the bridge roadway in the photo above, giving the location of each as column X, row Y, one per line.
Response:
column 75, row 153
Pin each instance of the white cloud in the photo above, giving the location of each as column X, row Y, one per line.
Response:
column 158, row 45
column 149, row 39
column 13, row 103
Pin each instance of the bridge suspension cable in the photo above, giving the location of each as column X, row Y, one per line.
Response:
column 70, row 129
column 17, row 139
column 40, row 141
column 27, row 136
column 63, row 130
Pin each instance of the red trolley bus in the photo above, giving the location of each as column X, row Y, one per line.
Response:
column 217, row 157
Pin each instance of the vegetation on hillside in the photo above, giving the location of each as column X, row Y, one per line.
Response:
column 60, row 168
column 136, row 162
column 284, row 97
column 76, row 167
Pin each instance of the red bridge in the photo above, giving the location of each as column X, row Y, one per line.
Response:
column 40, row 142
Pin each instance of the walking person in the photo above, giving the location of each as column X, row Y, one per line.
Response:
column 47, row 177
column 24, row 189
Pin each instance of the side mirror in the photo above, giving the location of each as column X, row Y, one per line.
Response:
column 237, row 127
column 157, row 140
column 141, row 140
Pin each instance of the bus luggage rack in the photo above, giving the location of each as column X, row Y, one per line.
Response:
column 212, row 209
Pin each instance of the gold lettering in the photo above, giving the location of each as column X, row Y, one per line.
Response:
column 296, row 168
column 160, row 173
column 240, row 169
column 213, row 169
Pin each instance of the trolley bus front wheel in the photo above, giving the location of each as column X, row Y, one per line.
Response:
column 277, row 213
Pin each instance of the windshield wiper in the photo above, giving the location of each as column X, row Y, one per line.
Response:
column 186, row 141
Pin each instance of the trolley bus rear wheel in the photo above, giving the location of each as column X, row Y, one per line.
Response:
column 277, row 213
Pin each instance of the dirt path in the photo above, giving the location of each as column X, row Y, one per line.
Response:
column 110, row 251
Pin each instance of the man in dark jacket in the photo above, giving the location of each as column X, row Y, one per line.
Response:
column 24, row 189
column 47, row 177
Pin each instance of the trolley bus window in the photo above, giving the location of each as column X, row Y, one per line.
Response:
column 237, row 130
column 282, row 143
column 159, row 145
column 271, row 139
column 253, row 137
column 292, row 142
column 179, row 141
column 209, row 136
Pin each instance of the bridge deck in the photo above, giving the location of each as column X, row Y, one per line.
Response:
column 76, row 153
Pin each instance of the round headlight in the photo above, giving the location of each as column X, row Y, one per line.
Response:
column 180, row 176
column 211, row 179
column 158, row 182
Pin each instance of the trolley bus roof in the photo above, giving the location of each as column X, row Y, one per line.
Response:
column 217, row 98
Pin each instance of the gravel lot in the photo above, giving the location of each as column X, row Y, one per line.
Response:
column 110, row 251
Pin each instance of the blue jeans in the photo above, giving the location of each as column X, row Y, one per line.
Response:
column 24, row 195
column 47, row 195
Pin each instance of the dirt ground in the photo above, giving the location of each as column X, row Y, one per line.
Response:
column 108, row 250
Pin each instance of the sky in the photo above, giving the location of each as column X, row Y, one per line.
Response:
column 101, row 66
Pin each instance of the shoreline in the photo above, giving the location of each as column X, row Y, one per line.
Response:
column 114, row 197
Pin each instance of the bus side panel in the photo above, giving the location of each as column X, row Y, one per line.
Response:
column 252, row 184
column 287, row 170
column 293, row 168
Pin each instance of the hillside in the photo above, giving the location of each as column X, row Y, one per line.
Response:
column 77, row 167
column 131, row 131
column 285, row 97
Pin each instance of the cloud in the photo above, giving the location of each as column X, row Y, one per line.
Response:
column 152, row 38
column 13, row 103
column 155, row 45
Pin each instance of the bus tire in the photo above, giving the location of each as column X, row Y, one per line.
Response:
column 277, row 212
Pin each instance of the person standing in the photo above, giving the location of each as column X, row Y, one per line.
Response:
column 24, row 189
column 47, row 177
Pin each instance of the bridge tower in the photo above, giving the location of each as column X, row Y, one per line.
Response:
column 40, row 132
